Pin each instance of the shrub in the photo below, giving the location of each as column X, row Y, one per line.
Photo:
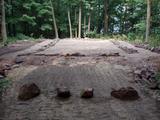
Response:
column 91, row 34
column 21, row 36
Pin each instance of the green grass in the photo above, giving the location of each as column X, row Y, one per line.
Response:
column 18, row 37
column 154, row 40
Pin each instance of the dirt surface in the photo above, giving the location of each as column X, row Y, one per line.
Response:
column 51, row 65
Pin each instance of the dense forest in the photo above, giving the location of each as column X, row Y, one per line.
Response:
column 130, row 19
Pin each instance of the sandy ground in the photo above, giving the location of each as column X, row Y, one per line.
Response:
column 50, row 68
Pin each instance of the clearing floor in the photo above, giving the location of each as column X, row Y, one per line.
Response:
column 77, row 64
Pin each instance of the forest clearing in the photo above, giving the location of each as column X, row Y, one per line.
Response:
column 76, row 64
column 79, row 60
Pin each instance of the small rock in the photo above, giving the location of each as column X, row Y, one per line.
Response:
column 152, row 49
column 15, row 66
column 2, row 72
column 87, row 93
column 63, row 92
column 19, row 60
column 137, row 72
column 7, row 66
column 28, row 91
column 128, row 93
column 2, row 77
column 74, row 55
column 145, row 74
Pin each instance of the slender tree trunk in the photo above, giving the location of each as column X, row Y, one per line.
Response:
column 84, row 26
column 106, row 16
column 89, row 22
column 3, row 28
column 70, row 24
column 148, row 20
column 0, row 21
column 124, row 19
column 79, row 22
column 54, row 21
column 76, row 35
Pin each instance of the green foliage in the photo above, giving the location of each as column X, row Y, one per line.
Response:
column 28, row 19
column 46, row 27
column 21, row 36
column 140, row 27
column 18, row 37
column 91, row 34
column 127, row 18
column 4, row 84
column 157, row 77
column 154, row 40
column 131, row 36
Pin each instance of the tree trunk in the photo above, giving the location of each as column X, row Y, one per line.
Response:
column 80, row 18
column 89, row 22
column 76, row 33
column 148, row 20
column 3, row 28
column 0, row 21
column 84, row 26
column 70, row 24
column 106, row 16
column 54, row 21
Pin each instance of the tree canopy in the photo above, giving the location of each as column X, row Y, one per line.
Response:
column 35, row 18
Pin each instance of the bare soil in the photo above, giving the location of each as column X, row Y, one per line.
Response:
column 49, row 66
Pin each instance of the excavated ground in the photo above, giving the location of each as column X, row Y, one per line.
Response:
column 77, row 64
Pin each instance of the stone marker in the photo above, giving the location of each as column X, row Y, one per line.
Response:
column 28, row 91
column 127, row 93
column 87, row 93
column 63, row 92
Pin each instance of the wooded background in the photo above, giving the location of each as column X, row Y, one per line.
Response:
column 80, row 18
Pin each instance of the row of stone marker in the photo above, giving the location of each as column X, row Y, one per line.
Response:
column 29, row 91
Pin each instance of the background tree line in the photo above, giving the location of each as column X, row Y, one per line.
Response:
column 79, row 18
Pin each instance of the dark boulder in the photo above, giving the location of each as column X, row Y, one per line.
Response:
column 28, row 91
column 63, row 92
column 127, row 93
column 87, row 93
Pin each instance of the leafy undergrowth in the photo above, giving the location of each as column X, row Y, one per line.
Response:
column 4, row 83
column 154, row 40
column 157, row 77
